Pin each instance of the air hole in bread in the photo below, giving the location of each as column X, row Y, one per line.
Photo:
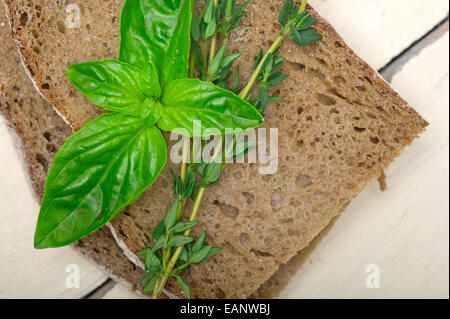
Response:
column 336, row 93
column 220, row 294
column 122, row 233
column 361, row 88
column 325, row 99
column 322, row 61
column 24, row 19
column 248, row 197
column 227, row 210
column 42, row 160
column 51, row 148
column 318, row 74
column 244, row 238
column 261, row 253
column 61, row 27
column 300, row 66
column 303, row 181
column 339, row 80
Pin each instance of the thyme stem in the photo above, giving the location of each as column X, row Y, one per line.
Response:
column 212, row 49
column 162, row 282
column 275, row 45
column 244, row 93
column 192, row 65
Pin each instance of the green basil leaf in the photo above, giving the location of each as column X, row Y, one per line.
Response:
column 149, row 82
column 100, row 169
column 151, row 112
column 157, row 31
column 110, row 84
column 187, row 100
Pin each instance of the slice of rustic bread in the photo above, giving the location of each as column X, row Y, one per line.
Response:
column 42, row 132
column 339, row 126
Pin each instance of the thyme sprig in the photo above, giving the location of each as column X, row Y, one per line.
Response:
column 174, row 250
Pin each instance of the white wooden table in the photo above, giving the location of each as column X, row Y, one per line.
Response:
column 402, row 234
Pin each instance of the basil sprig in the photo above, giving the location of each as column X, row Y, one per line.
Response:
column 110, row 162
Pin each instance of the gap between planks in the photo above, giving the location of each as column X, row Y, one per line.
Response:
column 388, row 72
column 101, row 291
column 398, row 62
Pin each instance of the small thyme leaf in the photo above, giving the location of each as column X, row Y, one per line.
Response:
column 183, row 284
column 171, row 216
column 182, row 226
column 158, row 231
column 200, row 255
column 285, row 12
column 179, row 240
column 150, row 286
column 199, row 243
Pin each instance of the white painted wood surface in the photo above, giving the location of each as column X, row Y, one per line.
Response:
column 405, row 230
column 379, row 30
column 372, row 230
column 120, row 291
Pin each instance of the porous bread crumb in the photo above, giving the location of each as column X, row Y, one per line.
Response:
column 339, row 126
column 41, row 132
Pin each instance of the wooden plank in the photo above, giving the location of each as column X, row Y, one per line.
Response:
column 399, row 62
column 379, row 30
column 366, row 25
column 101, row 290
column 375, row 21
column 405, row 230
column 120, row 291
column 24, row 271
